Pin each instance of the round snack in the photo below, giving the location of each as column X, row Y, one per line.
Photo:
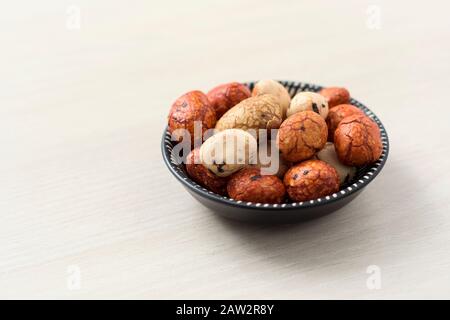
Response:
column 335, row 96
column 311, row 101
column 310, row 180
column 228, row 151
column 357, row 141
column 271, row 162
column 250, row 185
column 189, row 108
column 337, row 114
column 261, row 112
column 200, row 174
column 226, row 96
column 301, row 136
column 275, row 88
column 328, row 155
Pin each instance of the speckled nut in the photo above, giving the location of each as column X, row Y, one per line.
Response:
column 226, row 96
column 310, row 180
column 357, row 141
column 200, row 174
column 308, row 101
column 301, row 136
column 228, row 151
column 337, row 114
column 275, row 88
column 335, row 96
column 250, row 185
column 258, row 113
column 190, row 107
column 328, row 155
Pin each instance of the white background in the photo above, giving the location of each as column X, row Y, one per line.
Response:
column 88, row 209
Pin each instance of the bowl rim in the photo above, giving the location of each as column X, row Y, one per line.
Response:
column 370, row 173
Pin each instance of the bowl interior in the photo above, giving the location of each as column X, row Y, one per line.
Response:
column 362, row 177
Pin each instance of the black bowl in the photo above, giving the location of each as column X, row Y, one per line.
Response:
column 288, row 212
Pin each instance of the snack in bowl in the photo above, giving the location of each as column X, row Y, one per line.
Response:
column 226, row 96
column 301, row 136
column 276, row 89
column 335, row 96
column 308, row 101
column 191, row 107
column 338, row 113
column 311, row 179
column 259, row 166
column 200, row 174
column 357, row 141
column 258, row 113
column 270, row 160
column 228, row 151
column 328, row 155
column 250, row 185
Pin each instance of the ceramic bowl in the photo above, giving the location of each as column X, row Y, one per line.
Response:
column 288, row 212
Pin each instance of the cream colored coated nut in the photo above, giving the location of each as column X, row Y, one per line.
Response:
column 308, row 101
column 261, row 112
column 274, row 88
column 328, row 155
column 228, row 151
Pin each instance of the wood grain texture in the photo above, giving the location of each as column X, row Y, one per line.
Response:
column 83, row 183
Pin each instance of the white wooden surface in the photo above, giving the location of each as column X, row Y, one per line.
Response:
column 82, row 182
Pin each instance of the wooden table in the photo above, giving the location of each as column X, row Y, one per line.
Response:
column 90, row 211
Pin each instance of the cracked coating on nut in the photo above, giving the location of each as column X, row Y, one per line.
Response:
column 190, row 107
column 338, row 113
column 202, row 175
column 226, row 96
column 310, row 180
column 301, row 136
column 276, row 89
column 260, row 112
column 250, row 185
column 335, row 96
column 357, row 141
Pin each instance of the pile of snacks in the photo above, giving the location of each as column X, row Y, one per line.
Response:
column 264, row 147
